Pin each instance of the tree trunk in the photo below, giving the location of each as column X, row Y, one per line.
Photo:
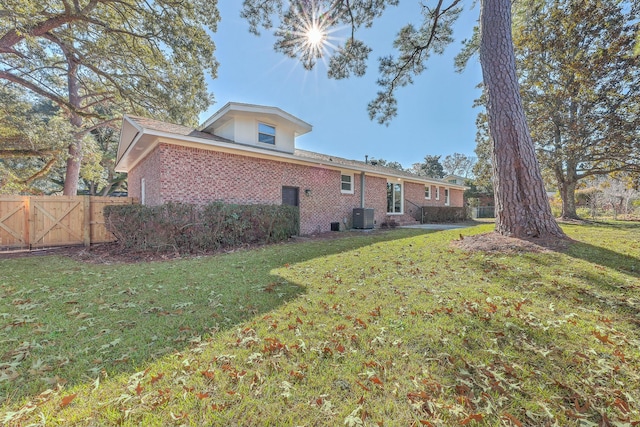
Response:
column 522, row 206
column 568, row 196
column 75, row 150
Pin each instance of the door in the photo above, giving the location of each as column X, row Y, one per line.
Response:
column 291, row 196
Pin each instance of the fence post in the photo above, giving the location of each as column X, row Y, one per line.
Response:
column 27, row 222
column 86, row 216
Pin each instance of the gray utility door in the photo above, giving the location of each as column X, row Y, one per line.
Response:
column 291, row 196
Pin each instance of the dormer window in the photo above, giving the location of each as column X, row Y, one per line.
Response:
column 266, row 134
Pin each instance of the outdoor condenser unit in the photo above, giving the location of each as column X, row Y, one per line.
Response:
column 362, row 218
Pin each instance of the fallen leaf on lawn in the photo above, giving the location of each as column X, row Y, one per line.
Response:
column 363, row 386
column 376, row 381
column 67, row 400
column 514, row 420
column 181, row 416
column 208, row 374
column 603, row 338
column 470, row 418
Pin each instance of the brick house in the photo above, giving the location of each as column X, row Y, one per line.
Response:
column 246, row 154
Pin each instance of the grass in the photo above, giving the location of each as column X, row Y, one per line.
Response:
column 396, row 328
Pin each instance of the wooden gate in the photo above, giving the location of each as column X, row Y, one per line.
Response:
column 49, row 221
column 14, row 222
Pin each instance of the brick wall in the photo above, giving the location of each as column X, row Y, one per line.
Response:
column 375, row 193
column 415, row 193
column 149, row 169
column 456, row 197
column 198, row 176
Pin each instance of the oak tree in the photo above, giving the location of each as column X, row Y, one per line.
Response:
column 431, row 167
column 95, row 59
column 458, row 164
column 521, row 203
column 581, row 87
column 33, row 140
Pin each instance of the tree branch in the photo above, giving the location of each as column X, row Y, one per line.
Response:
column 15, row 35
column 9, row 153
column 42, row 172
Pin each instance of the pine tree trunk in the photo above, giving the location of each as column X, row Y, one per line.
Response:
column 522, row 206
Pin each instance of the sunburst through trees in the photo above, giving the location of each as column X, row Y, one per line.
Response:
column 307, row 31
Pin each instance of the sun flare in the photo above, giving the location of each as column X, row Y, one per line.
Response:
column 310, row 36
column 315, row 36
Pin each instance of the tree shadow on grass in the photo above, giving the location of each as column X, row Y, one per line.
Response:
column 66, row 322
column 604, row 257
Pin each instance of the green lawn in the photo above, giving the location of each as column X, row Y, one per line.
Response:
column 395, row 328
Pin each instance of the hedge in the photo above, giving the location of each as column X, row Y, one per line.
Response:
column 442, row 214
column 185, row 228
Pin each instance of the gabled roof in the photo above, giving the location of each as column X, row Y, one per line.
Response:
column 275, row 114
column 140, row 135
column 137, row 135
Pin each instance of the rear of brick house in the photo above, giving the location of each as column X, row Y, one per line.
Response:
column 246, row 154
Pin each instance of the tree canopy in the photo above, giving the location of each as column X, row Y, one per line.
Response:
column 581, row 87
column 95, row 59
column 458, row 164
column 33, row 141
column 431, row 167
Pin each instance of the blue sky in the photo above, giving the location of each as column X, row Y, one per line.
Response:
column 435, row 114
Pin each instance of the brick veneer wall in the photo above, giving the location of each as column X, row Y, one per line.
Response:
column 415, row 193
column 149, row 169
column 184, row 174
column 199, row 176
column 375, row 193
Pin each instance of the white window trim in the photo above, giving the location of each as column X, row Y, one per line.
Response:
column 143, row 191
column 437, row 193
column 447, row 196
column 352, row 191
column 402, row 185
column 275, row 131
column 425, row 190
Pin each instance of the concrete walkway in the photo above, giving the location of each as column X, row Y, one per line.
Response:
column 440, row 226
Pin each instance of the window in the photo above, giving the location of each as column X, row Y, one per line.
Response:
column 427, row 192
column 143, row 191
column 446, row 197
column 437, row 193
column 346, row 184
column 266, row 134
column 394, row 198
column 452, row 181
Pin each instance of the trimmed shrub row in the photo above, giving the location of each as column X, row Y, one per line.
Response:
column 185, row 228
column 443, row 214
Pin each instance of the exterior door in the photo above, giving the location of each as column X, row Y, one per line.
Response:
column 291, row 196
column 394, row 198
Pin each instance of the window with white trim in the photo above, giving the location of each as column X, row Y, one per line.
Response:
column 346, row 183
column 266, row 134
column 394, row 198
column 427, row 192
column 437, row 193
column 446, row 197
column 143, row 191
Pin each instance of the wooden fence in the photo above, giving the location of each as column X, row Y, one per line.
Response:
column 30, row 222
